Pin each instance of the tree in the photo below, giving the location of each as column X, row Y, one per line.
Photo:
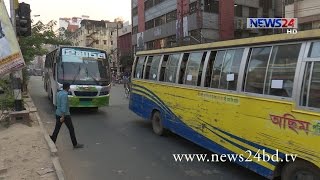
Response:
column 126, row 61
column 32, row 46
column 41, row 34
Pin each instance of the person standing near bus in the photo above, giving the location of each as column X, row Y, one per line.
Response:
column 63, row 116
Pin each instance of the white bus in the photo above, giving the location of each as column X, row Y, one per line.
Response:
column 85, row 69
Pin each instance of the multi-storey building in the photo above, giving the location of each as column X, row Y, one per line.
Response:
column 97, row 34
column 166, row 23
column 71, row 24
column 307, row 12
column 122, row 46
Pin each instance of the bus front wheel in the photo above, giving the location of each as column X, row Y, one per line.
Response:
column 157, row 125
column 300, row 170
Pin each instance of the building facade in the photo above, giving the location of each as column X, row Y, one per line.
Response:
column 71, row 24
column 307, row 12
column 167, row 23
column 96, row 34
column 122, row 47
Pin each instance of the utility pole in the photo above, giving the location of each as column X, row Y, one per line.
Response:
column 16, row 77
column 118, row 60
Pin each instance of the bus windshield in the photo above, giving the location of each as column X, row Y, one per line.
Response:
column 82, row 67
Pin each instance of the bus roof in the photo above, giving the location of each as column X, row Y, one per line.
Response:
column 301, row 35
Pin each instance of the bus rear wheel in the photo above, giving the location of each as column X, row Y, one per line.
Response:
column 157, row 125
column 300, row 170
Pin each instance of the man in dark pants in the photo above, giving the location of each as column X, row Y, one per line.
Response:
column 63, row 116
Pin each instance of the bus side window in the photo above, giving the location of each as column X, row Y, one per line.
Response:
column 192, row 72
column 148, row 67
column 281, row 69
column 210, row 68
column 183, row 67
column 163, row 67
column 256, row 70
column 310, row 96
column 201, row 68
column 140, row 67
column 217, row 67
column 230, row 69
column 153, row 75
column 171, row 69
column 135, row 66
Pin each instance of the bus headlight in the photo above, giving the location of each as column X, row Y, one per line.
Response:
column 104, row 91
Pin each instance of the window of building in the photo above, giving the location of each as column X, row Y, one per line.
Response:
column 193, row 7
column 171, row 16
column 105, row 42
column 171, row 41
column 97, row 41
column 135, row 11
column 163, row 67
column 238, row 11
column 211, row 6
column 310, row 96
column 150, row 45
column 160, row 20
column 139, row 67
column 158, row 1
column 253, row 12
column 194, row 71
column 172, row 67
column 149, row 24
column 314, row 50
column 135, row 30
column 148, row 4
column 287, row 2
column 154, row 68
column 305, row 26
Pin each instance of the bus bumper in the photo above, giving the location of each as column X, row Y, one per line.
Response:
column 98, row 101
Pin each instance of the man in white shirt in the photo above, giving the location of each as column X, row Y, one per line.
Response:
column 4, row 44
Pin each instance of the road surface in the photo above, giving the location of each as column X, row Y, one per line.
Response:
column 119, row 145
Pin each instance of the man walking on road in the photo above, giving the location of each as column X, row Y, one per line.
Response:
column 63, row 116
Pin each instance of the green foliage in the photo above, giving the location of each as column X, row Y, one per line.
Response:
column 126, row 60
column 6, row 99
column 41, row 34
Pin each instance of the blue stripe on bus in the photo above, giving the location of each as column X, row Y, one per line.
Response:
column 228, row 134
column 185, row 131
column 257, row 146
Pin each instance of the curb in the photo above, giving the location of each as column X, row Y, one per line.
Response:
column 53, row 149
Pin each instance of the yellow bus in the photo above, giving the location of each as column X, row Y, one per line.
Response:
column 258, row 95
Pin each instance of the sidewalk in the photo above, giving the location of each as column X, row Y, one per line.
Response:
column 25, row 152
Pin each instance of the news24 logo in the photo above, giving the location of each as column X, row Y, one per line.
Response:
column 291, row 24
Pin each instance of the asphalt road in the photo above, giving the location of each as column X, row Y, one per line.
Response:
column 119, row 145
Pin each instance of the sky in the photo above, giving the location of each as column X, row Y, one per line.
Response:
column 96, row 9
